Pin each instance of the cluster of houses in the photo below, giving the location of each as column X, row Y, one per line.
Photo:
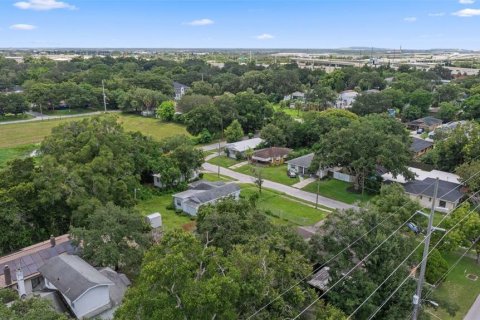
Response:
column 52, row 270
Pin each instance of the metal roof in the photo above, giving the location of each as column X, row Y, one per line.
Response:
column 244, row 145
column 72, row 276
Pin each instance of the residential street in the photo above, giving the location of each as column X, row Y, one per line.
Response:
column 300, row 194
column 474, row 312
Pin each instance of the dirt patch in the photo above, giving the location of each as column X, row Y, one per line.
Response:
column 472, row 277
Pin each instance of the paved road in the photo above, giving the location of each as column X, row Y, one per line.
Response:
column 474, row 312
column 39, row 117
column 213, row 146
column 300, row 194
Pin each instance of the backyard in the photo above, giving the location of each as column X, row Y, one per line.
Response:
column 337, row 190
column 10, row 153
column 457, row 287
column 272, row 173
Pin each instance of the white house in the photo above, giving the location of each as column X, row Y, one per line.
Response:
column 180, row 90
column 302, row 164
column 346, row 99
column 238, row 148
column 84, row 288
column 204, row 192
column 448, row 196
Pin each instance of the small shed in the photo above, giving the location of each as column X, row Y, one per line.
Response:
column 154, row 220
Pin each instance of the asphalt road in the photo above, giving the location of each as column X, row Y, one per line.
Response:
column 474, row 312
column 39, row 117
column 297, row 193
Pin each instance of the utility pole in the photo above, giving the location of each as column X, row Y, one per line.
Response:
column 104, row 97
column 219, row 142
column 318, row 191
column 418, row 295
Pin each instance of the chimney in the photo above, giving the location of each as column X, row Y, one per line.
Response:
column 8, row 275
column 52, row 241
column 22, row 293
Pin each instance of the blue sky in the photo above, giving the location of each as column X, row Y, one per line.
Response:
column 415, row 24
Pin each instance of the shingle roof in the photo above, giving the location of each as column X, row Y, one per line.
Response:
column 31, row 258
column 420, row 145
column 320, row 279
column 303, row 161
column 448, row 191
column 272, row 152
column 72, row 276
column 426, row 120
column 178, row 86
column 219, row 192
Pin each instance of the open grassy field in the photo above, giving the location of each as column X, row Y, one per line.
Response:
column 291, row 112
column 33, row 132
column 10, row 153
column 457, row 287
column 272, row 173
column 284, row 209
column 337, row 190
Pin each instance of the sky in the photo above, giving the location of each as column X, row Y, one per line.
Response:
column 411, row 24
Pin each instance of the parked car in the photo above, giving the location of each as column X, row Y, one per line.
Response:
column 420, row 130
column 292, row 173
column 413, row 227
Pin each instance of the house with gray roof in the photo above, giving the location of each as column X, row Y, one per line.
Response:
column 448, row 196
column 204, row 192
column 88, row 292
column 426, row 123
column 180, row 90
column 420, row 146
column 238, row 149
column 302, row 164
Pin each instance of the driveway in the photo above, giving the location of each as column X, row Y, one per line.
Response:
column 474, row 312
column 300, row 194
column 213, row 146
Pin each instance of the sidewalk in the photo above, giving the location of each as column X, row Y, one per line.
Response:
column 303, row 183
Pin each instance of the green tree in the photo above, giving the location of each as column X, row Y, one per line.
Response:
column 447, row 93
column 203, row 117
column 183, row 277
column 113, row 237
column 368, row 103
column 12, row 103
column 468, row 175
column 465, row 233
column 191, row 101
column 30, row 309
column 412, row 112
column 363, row 145
column 253, row 109
column 448, row 111
column 436, row 267
column 472, row 107
column 273, row 136
column 166, row 110
column 203, row 88
column 234, row 132
column 227, row 107
column 322, row 97
column 420, row 98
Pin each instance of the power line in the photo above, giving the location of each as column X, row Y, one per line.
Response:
column 401, row 263
column 403, row 282
column 351, row 270
column 331, row 259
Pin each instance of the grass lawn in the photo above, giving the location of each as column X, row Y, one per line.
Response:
column 284, row 209
column 457, row 287
column 170, row 219
column 10, row 153
column 34, row 132
column 151, row 126
column 223, row 161
column 214, row 177
column 22, row 116
column 273, row 173
column 337, row 190
column 291, row 112
column 66, row 112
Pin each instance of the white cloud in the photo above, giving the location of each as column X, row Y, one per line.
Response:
column 43, row 5
column 436, row 14
column 466, row 1
column 410, row 19
column 467, row 13
column 200, row 22
column 22, row 26
column 264, row 36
